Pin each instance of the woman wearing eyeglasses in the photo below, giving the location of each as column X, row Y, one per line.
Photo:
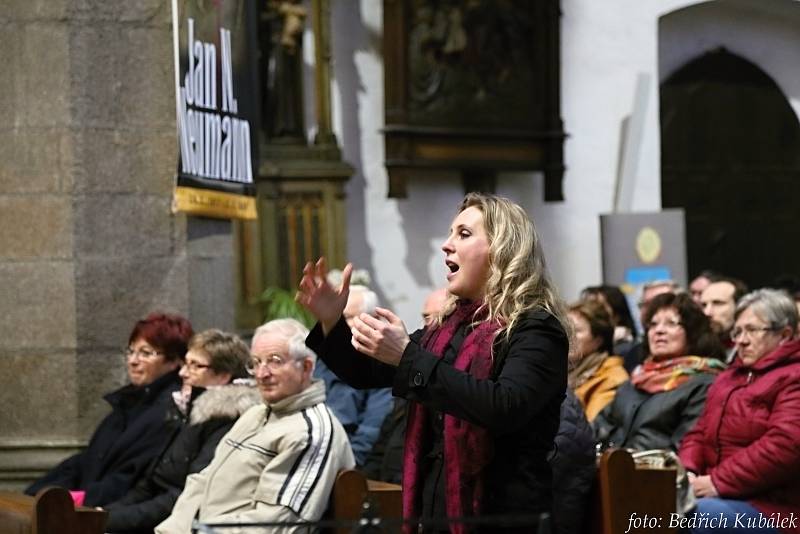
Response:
column 666, row 393
column 133, row 433
column 744, row 451
column 205, row 409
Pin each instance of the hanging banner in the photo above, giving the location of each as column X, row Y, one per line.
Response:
column 216, row 107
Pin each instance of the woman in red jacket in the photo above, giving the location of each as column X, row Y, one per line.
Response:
column 744, row 451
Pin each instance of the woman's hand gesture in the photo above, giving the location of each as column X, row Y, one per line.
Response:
column 385, row 340
column 324, row 301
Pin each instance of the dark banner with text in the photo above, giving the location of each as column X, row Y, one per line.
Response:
column 216, row 106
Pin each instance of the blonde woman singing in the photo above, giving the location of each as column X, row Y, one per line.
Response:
column 485, row 380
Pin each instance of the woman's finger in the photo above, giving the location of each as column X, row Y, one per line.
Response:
column 346, row 273
column 322, row 268
column 360, row 347
column 369, row 321
column 390, row 317
column 307, row 285
column 363, row 329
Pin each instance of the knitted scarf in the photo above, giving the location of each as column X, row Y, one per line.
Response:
column 655, row 376
column 467, row 448
column 585, row 369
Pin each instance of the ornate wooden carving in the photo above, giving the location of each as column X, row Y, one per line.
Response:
column 300, row 186
column 473, row 86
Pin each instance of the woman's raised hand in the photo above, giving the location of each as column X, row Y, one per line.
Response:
column 384, row 338
column 323, row 300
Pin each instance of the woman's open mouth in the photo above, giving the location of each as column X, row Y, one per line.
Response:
column 452, row 266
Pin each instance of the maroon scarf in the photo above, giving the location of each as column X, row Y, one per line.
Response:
column 467, row 448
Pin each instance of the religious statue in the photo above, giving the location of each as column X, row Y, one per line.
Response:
column 294, row 16
column 284, row 88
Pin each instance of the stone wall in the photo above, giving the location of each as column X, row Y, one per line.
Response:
column 87, row 240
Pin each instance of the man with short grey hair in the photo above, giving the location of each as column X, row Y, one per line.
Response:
column 279, row 461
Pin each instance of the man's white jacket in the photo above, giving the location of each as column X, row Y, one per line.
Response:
column 277, row 463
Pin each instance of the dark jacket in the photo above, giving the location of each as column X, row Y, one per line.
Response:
column 361, row 411
column 121, row 448
column 640, row 420
column 519, row 404
column 385, row 460
column 211, row 414
column 748, row 438
column 574, row 468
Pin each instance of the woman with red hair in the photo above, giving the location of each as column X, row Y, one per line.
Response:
column 133, row 433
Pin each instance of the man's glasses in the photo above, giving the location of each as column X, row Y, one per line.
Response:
column 272, row 362
column 749, row 331
column 143, row 353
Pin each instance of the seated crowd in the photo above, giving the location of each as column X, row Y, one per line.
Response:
column 211, row 430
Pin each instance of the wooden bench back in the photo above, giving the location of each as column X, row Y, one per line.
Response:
column 51, row 511
column 622, row 491
column 626, row 494
column 352, row 489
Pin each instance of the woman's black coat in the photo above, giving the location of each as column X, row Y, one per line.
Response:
column 191, row 448
column 519, row 404
column 122, row 446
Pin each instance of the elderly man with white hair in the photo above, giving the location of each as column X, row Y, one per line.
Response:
column 279, row 461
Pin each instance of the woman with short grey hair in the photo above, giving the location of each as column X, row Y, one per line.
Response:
column 742, row 454
column 774, row 306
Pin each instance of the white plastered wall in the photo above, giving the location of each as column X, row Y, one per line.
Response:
column 605, row 46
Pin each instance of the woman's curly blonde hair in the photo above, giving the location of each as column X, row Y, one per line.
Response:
column 518, row 278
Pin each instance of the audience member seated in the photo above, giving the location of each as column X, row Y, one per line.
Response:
column 718, row 301
column 207, row 407
column 280, row 459
column 385, row 460
column 617, row 305
column 636, row 354
column 594, row 376
column 700, row 282
column 574, row 468
column 361, row 411
column 743, row 452
column 665, row 394
column 128, row 439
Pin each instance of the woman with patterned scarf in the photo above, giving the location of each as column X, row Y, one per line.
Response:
column 666, row 393
column 484, row 382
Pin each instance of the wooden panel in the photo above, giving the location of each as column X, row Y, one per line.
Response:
column 352, row 490
column 627, row 492
column 50, row 512
column 468, row 73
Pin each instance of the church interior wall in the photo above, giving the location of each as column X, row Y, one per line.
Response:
column 603, row 55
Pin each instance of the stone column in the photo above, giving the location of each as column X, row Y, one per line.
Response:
column 87, row 241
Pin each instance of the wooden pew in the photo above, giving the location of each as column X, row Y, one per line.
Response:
column 624, row 490
column 51, row 511
column 352, row 489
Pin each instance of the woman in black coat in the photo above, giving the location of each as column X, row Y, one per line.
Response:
column 485, row 382
column 129, row 437
column 205, row 409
